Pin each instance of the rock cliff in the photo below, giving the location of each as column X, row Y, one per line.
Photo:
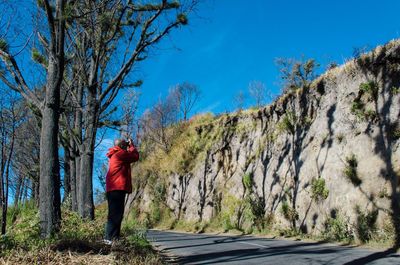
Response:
column 325, row 152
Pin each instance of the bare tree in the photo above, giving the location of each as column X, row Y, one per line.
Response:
column 25, row 162
column 48, row 106
column 105, row 40
column 157, row 121
column 258, row 92
column 131, row 125
column 239, row 100
column 186, row 95
column 10, row 117
column 107, row 45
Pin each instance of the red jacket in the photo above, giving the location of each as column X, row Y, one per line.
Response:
column 119, row 171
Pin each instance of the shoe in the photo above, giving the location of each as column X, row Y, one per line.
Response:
column 107, row 242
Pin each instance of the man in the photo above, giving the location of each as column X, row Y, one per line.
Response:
column 118, row 184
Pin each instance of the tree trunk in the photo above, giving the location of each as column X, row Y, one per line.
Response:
column 18, row 189
column 2, row 173
column 49, row 183
column 67, row 173
column 86, row 205
column 77, row 161
column 5, row 208
column 77, row 180
column 35, row 192
column 73, row 183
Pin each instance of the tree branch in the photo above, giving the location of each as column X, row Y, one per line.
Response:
column 50, row 19
column 21, row 87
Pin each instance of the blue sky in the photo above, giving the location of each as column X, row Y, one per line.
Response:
column 229, row 43
column 232, row 42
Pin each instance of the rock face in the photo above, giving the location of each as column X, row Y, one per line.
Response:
column 317, row 153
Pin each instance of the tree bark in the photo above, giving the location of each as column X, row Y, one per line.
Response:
column 5, row 206
column 72, row 167
column 35, row 192
column 18, row 189
column 67, row 173
column 86, row 205
column 49, row 187
column 77, row 161
column 49, row 183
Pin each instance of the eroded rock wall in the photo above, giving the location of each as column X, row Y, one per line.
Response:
column 343, row 129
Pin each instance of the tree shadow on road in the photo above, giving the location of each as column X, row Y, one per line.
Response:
column 253, row 254
column 287, row 253
column 374, row 256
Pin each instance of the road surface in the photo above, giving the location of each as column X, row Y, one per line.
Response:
column 184, row 248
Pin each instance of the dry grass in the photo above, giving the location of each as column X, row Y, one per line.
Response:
column 116, row 255
column 79, row 242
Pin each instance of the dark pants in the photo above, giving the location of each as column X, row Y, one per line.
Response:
column 116, row 203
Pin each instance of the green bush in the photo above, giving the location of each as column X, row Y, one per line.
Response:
column 234, row 213
column 160, row 191
column 257, row 207
column 337, row 229
column 288, row 212
column 370, row 88
column 287, row 123
column 394, row 132
column 319, row 190
column 248, row 181
column 366, row 224
column 370, row 114
column 289, row 232
column 350, row 170
column 357, row 108
column 395, row 90
column 155, row 213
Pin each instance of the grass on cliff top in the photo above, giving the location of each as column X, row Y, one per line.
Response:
column 79, row 241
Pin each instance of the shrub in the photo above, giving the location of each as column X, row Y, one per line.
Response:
column 383, row 193
column 160, row 191
column 386, row 233
column 370, row 88
column 366, row 224
column 340, row 137
column 357, row 108
column 289, row 232
column 319, row 190
column 288, row 123
column 394, row 131
column 257, row 207
column 234, row 213
column 155, row 213
column 288, row 212
column 338, row 229
column 248, row 181
column 350, row 170
column 370, row 115
column 395, row 90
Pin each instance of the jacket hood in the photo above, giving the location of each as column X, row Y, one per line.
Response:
column 112, row 151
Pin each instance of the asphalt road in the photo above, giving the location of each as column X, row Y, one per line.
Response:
column 214, row 249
